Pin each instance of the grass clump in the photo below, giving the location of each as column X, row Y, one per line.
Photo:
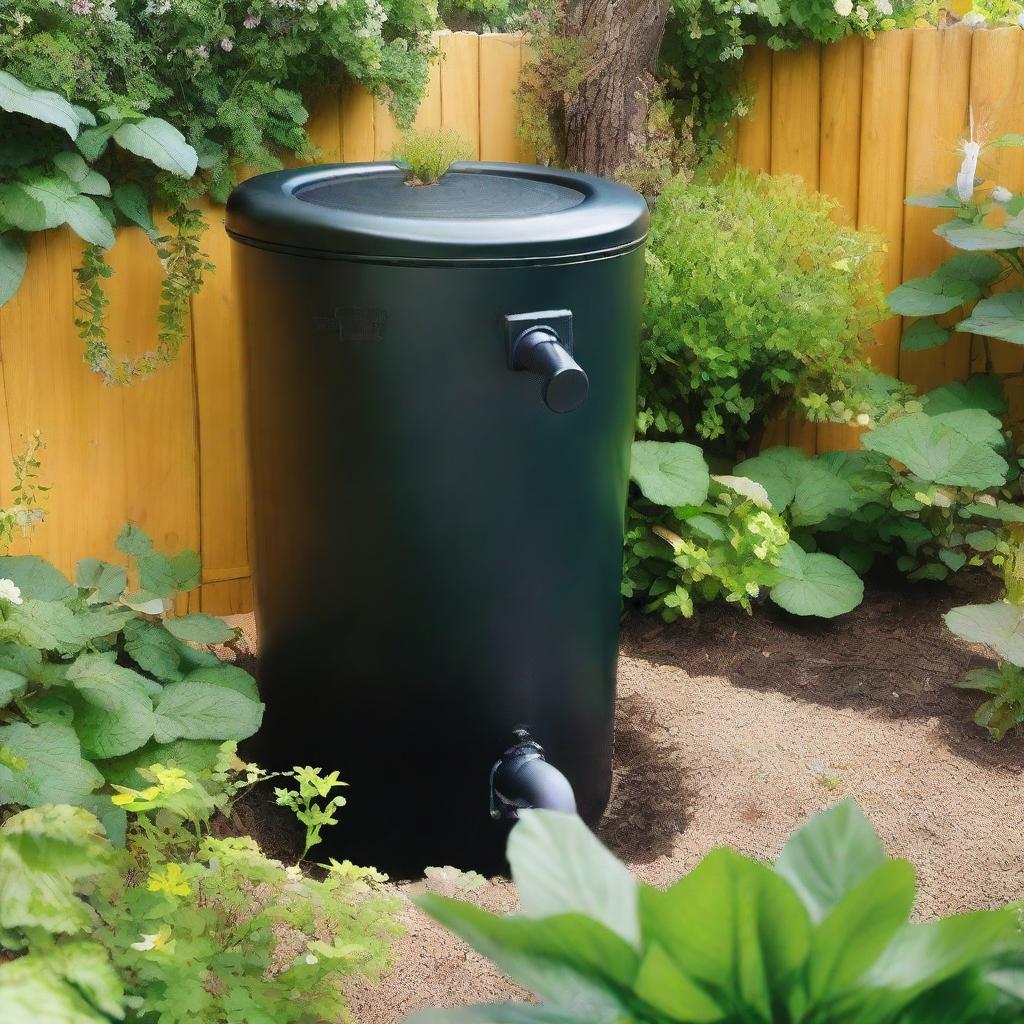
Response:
column 427, row 155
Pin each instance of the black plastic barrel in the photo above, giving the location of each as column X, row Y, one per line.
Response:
column 441, row 402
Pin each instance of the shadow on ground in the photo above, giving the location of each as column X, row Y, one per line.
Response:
column 892, row 656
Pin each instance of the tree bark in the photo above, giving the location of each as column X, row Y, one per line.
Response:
column 606, row 120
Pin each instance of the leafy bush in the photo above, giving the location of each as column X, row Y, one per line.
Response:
column 987, row 227
column 96, row 681
column 823, row 935
column 693, row 538
column 1000, row 628
column 428, row 154
column 179, row 926
column 755, row 301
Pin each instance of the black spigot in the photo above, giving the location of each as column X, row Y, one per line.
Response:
column 540, row 350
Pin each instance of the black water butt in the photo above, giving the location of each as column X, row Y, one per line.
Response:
column 441, row 401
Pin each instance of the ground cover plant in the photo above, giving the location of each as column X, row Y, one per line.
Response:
column 428, row 154
column 823, row 934
column 117, row 753
column 756, row 302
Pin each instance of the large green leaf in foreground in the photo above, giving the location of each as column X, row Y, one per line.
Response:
column 670, row 473
column 816, row 584
column 999, row 626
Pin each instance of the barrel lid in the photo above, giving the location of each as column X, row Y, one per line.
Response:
column 477, row 211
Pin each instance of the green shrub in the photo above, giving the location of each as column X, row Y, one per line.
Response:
column 756, row 302
column 820, row 937
column 428, row 154
column 692, row 538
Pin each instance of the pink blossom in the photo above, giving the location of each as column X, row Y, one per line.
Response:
column 227, row 45
column 252, row 21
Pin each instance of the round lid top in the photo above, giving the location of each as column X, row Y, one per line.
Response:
column 477, row 211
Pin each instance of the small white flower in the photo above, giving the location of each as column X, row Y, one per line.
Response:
column 974, row 19
column 862, row 14
column 310, row 959
column 227, row 45
column 155, row 941
column 863, row 420
column 844, row 8
column 1020, row 19
column 884, row 7
column 1001, row 194
column 968, row 169
column 9, row 591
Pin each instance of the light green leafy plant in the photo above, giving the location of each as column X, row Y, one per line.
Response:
column 693, row 538
column 309, row 801
column 820, row 937
column 97, row 680
column 932, row 491
column 756, row 302
column 429, row 154
column 26, row 510
column 1000, row 628
column 965, row 293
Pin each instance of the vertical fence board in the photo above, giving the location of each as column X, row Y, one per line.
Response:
column 500, row 66
column 936, row 120
column 460, row 86
column 324, row 126
column 883, row 149
column 842, row 81
column 754, row 132
column 220, row 407
column 796, row 86
column 49, row 388
column 997, row 99
column 358, row 138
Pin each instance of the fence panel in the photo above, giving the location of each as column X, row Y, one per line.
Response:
column 866, row 121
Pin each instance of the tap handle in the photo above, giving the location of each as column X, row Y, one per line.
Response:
column 539, row 350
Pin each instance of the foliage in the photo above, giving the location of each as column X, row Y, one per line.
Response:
column 965, row 293
column 179, row 926
column 705, row 42
column 305, row 801
column 693, row 538
column 96, row 680
column 755, row 301
column 821, row 935
column 26, row 511
column 45, row 182
column 1000, row 628
column 429, row 154
column 932, row 491
column 486, row 15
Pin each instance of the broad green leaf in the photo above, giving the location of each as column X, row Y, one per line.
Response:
column 62, row 204
column 975, row 425
column 44, row 624
column 153, row 649
column 934, row 201
column 1009, row 139
column 42, row 708
column 1005, row 511
column 569, row 960
column 35, row 577
column 746, row 487
column 924, row 334
column 829, row 856
column 114, row 714
column 661, row 984
column 980, row 239
column 670, row 473
column 199, row 628
column 12, row 686
column 133, row 541
column 86, row 219
column 999, row 626
column 816, row 584
column 937, row 453
column 88, row 181
column 733, row 925
column 21, row 210
column 1001, row 316
column 198, row 711
column 190, row 755
column 160, row 143
column 777, row 471
column 48, row 107
column 856, row 931
column 103, row 621
column 25, row 661
column 559, row 867
column 13, row 261
column 57, row 838
column 55, row 771
column 71, row 983
column 928, row 296
column 131, row 200
column 231, row 676
column 977, row 392
column 93, row 142
column 105, row 581
column 818, row 494
column 981, row 540
column 923, row 955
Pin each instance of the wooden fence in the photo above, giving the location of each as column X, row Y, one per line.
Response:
column 863, row 121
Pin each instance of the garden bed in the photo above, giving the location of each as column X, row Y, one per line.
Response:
column 732, row 729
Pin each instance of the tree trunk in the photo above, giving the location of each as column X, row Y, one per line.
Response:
column 606, row 120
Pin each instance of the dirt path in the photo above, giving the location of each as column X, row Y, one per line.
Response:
column 731, row 730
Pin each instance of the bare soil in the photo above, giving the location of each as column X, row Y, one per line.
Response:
column 733, row 729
